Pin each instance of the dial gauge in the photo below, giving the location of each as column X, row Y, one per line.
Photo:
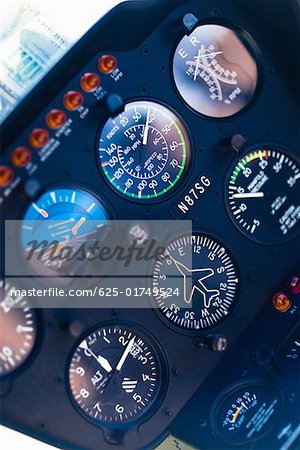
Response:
column 18, row 330
column 263, row 196
column 115, row 375
column 208, row 288
column 68, row 216
column 214, row 72
column 247, row 413
column 145, row 151
column 290, row 349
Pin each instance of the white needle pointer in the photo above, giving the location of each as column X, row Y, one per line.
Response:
column 104, row 363
column 146, row 130
column 197, row 65
column 249, row 195
column 204, row 55
column 125, row 354
column 200, row 56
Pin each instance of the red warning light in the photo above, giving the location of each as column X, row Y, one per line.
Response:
column 6, row 176
column 90, row 82
column 281, row 302
column 107, row 64
column 38, row 137
column 73, row 100
column 21, row 157
column 56, row 119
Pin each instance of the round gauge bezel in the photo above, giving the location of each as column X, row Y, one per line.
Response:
column 187, row 172
column 228, row 392
column 190, row 332
column 252, row 148
column 162, row 365
column 62, row 185
column 32, row 355
column 254, row 51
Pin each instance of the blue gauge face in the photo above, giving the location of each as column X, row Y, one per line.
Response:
column 145, row 151
column 64, row 215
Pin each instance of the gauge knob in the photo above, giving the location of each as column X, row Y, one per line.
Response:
column 215, row 343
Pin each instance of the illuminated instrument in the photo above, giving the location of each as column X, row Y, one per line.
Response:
column 167, row 112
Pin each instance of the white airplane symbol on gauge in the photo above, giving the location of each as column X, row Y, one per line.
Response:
column 190, row 288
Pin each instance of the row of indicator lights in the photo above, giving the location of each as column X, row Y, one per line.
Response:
column 57, row 118
column 281, row 301
column 72, row 101
column 90, row 82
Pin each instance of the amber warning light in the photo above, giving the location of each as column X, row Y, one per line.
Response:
column 38, row 137
column 21, row 157
column 107, row 64
column 6, row 176
column 56, row 119
column 281, row 302
column 73, row 100
column 90, row 82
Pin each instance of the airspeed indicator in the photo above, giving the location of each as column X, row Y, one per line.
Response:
column 145, row 151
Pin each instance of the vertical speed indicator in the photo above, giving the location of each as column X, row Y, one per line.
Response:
column 145, row 151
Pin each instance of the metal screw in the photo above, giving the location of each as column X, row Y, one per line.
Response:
column 167, row 412
column 147, row 51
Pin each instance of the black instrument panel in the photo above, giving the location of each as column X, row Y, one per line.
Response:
column 188, row 163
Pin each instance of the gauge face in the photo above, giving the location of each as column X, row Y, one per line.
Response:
column 18, row 330
column 290, row 349
column 69, row 216
column 115, row 375
column 214, row 72
column 144, row 152
column 247, row 413
column 264, row 196
column 209, row 288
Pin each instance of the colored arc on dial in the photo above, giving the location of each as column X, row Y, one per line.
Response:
column 246, row 160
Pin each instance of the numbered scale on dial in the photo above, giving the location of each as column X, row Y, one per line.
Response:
column 17, row 330
column 263, row 197
column 214, row 71
column 207, row 279
column 247, row 412
column 144, row 153
column 115, row 375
